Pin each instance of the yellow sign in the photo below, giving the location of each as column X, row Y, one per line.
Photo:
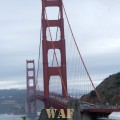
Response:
column 52, row 113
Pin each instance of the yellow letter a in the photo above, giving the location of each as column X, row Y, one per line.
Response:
column 61, row 114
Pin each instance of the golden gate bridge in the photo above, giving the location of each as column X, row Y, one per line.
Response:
column 61, row 69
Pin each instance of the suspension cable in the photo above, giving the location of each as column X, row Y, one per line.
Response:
column 39, row 56
column 80, row 54
column 55, row 39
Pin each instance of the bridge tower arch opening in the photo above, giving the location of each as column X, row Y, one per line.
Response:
column 60, row 70
column 51, row 58
column 55, row 85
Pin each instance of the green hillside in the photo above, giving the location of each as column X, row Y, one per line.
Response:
column 109, row 91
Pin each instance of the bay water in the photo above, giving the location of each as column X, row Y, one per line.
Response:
column 19, row 117
column 14, row 117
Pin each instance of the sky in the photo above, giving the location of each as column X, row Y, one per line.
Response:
column 95, row 24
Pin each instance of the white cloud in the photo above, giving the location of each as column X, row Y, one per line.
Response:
column 95, row 23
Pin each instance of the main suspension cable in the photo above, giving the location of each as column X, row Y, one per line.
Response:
column 80, row 54
column 55, row 40
column 39, row 56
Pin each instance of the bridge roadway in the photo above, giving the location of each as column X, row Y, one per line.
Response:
column 58, row 102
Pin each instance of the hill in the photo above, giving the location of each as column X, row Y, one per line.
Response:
column 12, row 101
column 108, row 90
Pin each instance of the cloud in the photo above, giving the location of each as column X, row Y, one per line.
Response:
column 12, row 83
column 95, row 24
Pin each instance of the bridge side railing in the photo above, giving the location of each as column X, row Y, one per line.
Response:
column 83, row 105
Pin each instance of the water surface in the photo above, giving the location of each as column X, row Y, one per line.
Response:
column 14, row 117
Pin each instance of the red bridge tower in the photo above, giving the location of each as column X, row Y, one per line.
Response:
column 60, row 70
column 31, row 88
